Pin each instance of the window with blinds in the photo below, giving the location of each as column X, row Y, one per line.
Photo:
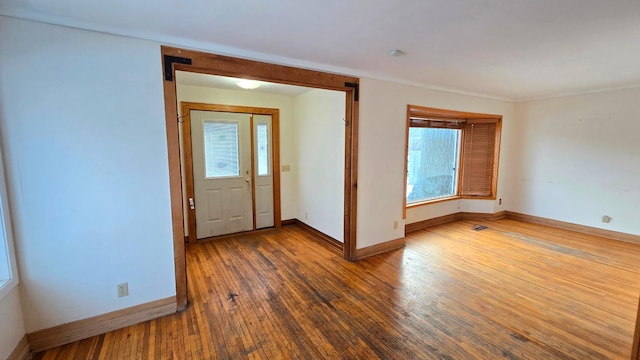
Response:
column 221, row 149
column 477, row 159
column 437, row 167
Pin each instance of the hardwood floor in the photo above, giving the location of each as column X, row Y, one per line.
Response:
column 514, row 290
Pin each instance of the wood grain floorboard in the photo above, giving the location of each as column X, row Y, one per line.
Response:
column 512, row 291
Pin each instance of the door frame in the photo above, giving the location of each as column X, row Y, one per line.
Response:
column 185, row 110
column 199, row 62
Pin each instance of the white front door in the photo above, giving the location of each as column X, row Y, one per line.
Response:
column 222, row 172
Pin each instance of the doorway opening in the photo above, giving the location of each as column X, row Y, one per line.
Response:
column 197, row 62
column 231, row 162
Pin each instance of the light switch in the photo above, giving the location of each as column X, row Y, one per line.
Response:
column 286, row 168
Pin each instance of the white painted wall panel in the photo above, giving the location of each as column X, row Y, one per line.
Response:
column 11, row 323
column 84, row 133
column 320, row 134
column 579, row 159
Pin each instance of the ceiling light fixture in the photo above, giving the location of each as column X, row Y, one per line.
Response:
column 396, row 52
column 248, row 84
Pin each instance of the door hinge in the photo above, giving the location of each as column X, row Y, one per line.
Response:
column 168, row 61
column 356, row 88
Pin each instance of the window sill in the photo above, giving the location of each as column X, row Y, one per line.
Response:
column 434, row 201
column 478, row 197
column 6, row 286
column 456, row 197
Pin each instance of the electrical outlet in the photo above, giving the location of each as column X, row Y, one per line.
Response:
column 395, row 225
column 306, row 216
column 123, row 289
column 500, row 202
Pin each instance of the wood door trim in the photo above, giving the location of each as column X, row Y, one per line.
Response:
column 253, row 175
column 175, row 189
column 186, row 108
column 350, row 173
column 635, row 348
column 228, row 66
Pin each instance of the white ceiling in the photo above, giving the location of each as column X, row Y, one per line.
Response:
column 229, row 83
column 511, row 49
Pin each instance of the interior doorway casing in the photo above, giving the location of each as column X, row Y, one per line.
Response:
column 186, row 108
column 193, row 61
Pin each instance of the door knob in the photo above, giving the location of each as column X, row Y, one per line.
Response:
column 247, row 179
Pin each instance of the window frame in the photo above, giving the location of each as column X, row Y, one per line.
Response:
column 7, row 285
column 414, row 111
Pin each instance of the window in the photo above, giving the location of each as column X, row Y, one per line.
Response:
column 221, row 149
column 263, row 149
column 450, row 154
column 432, row 163
column 8, row 272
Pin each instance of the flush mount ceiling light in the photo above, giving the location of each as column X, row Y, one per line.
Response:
column 396, row 52
column 248, row 84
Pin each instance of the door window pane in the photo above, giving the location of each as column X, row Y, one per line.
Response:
column 221, row 149
column 432, row 164
column 263, row 149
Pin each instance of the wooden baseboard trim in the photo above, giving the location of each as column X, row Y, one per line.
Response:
column 409, row 228
column 325, row 239
column 21, row 351
column 82, row 329
column 629, row 238
column 288, row 222
column 379, row 248
column 483, row 216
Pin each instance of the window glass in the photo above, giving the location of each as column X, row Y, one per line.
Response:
column 5, row 272
column 8, row 275
column 263, row 149
column 221, row 149
column 432, row 163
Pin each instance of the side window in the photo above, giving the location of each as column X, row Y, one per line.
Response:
column 262, row 144
column 8, row 272
column 450, row 154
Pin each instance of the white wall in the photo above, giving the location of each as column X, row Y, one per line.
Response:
column 11, row 320
column 578, row 158
column 84, row 133
column 383, row 112
column 11, row 324
column 258, row 99
column 319, row 134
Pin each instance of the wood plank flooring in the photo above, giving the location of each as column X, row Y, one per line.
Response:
column 514, row 291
